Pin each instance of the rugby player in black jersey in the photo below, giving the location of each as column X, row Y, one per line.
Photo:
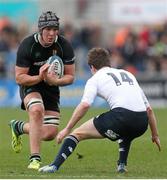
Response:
column 39, row 90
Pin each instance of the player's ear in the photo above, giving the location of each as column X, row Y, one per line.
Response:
column 93, row 69
column 90, row 66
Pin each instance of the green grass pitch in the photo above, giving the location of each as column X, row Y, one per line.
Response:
column 99, row 156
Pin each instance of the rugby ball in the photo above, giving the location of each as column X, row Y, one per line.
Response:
column 56, row 65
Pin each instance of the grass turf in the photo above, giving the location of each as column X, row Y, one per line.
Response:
column 99, row 156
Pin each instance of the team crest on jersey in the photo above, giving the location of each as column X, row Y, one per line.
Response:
column 54, row 51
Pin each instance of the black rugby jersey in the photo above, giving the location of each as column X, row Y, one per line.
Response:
column 33, row 55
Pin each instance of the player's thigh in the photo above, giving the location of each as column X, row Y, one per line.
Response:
column 29, row 96
column 50, row 100
column 33, row 102
column 52, row 113
column 87, row 131
column 51, row 118
column 51, row 123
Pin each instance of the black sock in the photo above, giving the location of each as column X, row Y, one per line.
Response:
column 19, row 127
column 35, row 156
column 66, row 150
column 124, row 146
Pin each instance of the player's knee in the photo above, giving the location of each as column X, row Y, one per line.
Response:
column 49, row 135
column 35, row 106
column 51, row 124
column 49, row 131
column 80, row 135
column 37, row 111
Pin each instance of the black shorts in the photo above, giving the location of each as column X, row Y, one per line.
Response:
column 50, row 95
column 121, row 123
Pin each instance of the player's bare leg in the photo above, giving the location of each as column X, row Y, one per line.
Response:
column 85, row 131
column 34, row 105
column 48, row 132
column 49, row 128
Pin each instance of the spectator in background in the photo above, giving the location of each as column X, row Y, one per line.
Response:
column 10, row 58
column 5, row 22
column 5, row 38
column 128, row 51
column 2, row 67
column 71, row 34
column 144, row 34
column 8, row 47
column 120, row 36
column 140, row 49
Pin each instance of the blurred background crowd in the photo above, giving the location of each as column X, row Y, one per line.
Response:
column 138, row 47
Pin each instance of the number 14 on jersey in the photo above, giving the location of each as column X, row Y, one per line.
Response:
column 124, row 78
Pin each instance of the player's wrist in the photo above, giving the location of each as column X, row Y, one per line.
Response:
column 155, row 136
column 68, row 128
column 39, row 78
column 56, row 81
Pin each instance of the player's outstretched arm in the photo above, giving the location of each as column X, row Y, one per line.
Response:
column 153, row 126
column 78, row 113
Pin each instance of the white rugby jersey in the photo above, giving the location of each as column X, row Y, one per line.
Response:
column 118, row 87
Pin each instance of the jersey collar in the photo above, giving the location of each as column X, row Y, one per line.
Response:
column 37, row 36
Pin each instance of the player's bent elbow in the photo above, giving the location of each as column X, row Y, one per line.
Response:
column 78, row 135
column 85, row 105
column 20, row 81
column 17, row 80
column 71, row 79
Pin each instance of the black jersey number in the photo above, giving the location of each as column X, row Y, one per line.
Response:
column 124, row 78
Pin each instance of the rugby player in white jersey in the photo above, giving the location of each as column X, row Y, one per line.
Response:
column 128, row 117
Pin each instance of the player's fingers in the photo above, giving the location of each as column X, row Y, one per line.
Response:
column 52, row 73
column 45, row 67
column 59, row 138
column 158, row 144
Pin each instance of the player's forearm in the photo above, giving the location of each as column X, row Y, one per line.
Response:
column 78, row 113
column 152, row 122
column 28, row 80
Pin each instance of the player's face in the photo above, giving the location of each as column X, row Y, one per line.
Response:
column 49, row 34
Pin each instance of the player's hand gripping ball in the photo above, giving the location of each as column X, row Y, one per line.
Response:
column 56, row 65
